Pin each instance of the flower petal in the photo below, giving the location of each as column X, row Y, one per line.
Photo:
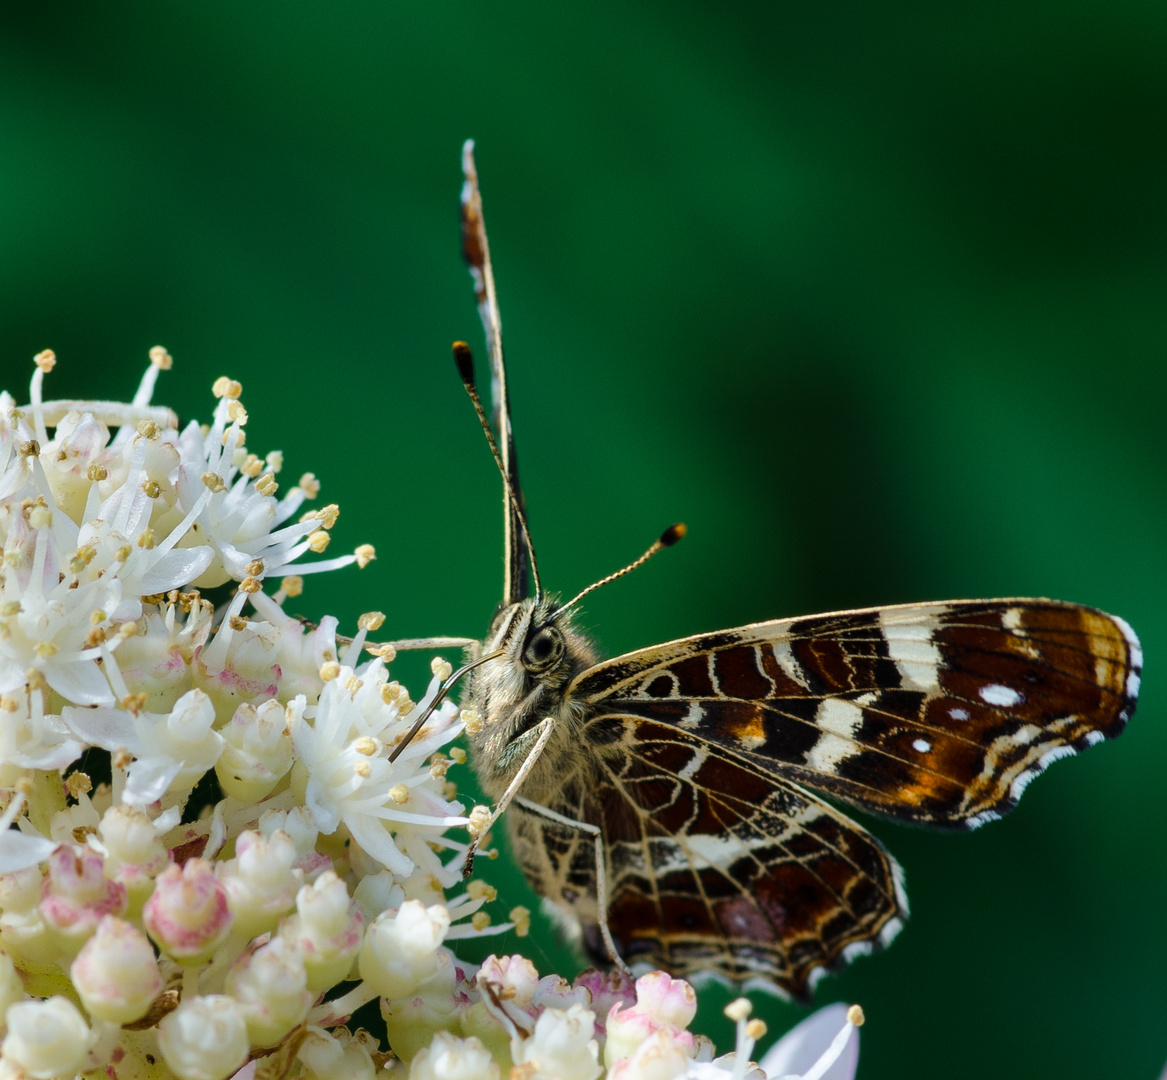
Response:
column 806, row 1042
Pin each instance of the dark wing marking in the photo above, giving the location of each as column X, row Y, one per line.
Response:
column 719, row 867
column 476, row 252
column 938, row 714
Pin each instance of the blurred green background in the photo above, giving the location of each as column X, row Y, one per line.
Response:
column 871, row 296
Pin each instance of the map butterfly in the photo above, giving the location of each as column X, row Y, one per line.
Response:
column 670, row 799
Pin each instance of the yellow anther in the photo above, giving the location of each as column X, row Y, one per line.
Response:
column 78, row 783
column 386, row 652
column 152, row 489
column 439, row 767
column 363, row 769
column 237, row 413
column 318, row 540
column 238, row 622
column 223, row 387
column 147, row 429
column 97, row 615
column 122, row 553
column 46, row 360
column 458, row 755
column 40, row 517
column 480, row 890
column 254, row 568
column 9, row 608
column 251, row 466
column 161, row 359
column 371, row 620
column 122, row 758
column 250, row 585
column 134, row 703
column 365, row 554
column 441, row 667
column 147, row 539
column 480, row 920
column 97, row 472
column 95, row 637
column 739, row 1009
column 275, row 460
column 329, row 671
column 266, row 484
column 399, row 793
column 471, row 720
column 29, row 449
column 292, row 585
column 310, row 485
column 756, row 1029
column 365, row 745
column 479, row 820
column 521, row 917
column 855, row 1016
column 45, row 649
column 214, row 481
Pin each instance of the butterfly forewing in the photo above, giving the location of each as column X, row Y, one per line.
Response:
column 937, row 714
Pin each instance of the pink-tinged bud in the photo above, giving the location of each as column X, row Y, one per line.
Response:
column 258, row 751
column 659, row 1057
column 135, row 854
column 271, row 987
column 563, row 1045
column 76, row 895
column 205, row 1038
column 401, row 948
column 327, row 930
column 629, row 1029
column 606, row 989
column 116, row 973
column 516, row 975
column 261, row 882
column 665, row 999
column 46, row 1039
column 188, row 915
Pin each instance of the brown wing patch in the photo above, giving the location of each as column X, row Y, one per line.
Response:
column 937, row 714
column 718, row 867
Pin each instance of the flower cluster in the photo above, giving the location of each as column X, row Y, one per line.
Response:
column 219, row 833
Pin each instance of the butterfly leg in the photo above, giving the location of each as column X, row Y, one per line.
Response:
column 601, row 872
column 545, row 728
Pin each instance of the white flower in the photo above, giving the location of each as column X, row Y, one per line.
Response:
column 205, row 1038
column 46, row 1039
column 563, row 1046
column 451, row 1058
column 345, row 775
column 30, row 738
column 400, row 949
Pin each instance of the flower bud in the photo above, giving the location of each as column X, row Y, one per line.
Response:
column 271, row 987
column 326, row 929
column 563, row 1044
column 77, row 894
column 338, row 1055
column 258, row 751
column 188, row 916
column 665, row 999
column 205, row 1038
column 260, row 882
column 116, row 973
column 186, row 735
column 629, row 1029
column 400, row 948
column 451, row 1058
column 135, row 854
column 659, row 1057
column 411, row 1022
column 11, row 988
column 46, row 1039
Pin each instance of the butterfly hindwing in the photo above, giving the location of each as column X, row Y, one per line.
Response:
column 937, row 714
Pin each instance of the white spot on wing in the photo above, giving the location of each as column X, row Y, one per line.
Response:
column 977, row 820
column 958, row 714
column 922, row 745
column 1094, row 737
column 1012, row 619
column 996, row 694
column 791, row 668
column 915, row 654
column 840, row 720
column 694, row 763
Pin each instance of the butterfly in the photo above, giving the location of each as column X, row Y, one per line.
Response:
column 672, row 799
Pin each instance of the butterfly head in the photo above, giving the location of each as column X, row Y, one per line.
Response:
column 540, row 652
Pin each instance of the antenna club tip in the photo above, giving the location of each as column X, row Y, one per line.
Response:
column 672, row 534
column 464, row 358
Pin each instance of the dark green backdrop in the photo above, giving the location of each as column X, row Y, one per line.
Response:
column 872, row 296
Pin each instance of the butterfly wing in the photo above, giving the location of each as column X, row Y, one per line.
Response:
column 718, row 867
column 476, row 252
column 937, row 714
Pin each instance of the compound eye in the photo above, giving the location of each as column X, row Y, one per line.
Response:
column 544, row 650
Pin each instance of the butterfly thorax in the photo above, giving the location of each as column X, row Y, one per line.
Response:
column 541, row 653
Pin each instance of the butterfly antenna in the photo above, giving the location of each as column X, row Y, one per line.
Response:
column 464, row 358
column 667, row 539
